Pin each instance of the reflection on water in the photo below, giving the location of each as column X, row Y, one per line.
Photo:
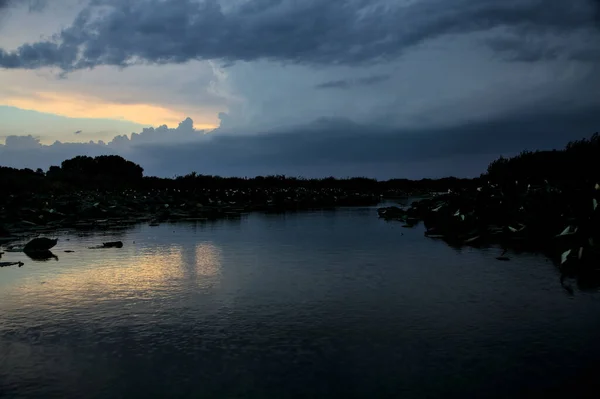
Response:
column 208, row 260
column 319, row 304
column 149, row 273
column 42, row 256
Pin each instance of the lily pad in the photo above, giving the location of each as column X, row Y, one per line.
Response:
column 565, row 256
column 565, row 231
column 472, row 239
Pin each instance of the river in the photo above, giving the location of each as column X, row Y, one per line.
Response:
column 312, row 304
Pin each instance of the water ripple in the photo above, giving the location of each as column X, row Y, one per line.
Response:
column 301, row 305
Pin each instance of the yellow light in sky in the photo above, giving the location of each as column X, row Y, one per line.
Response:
column 79, row 106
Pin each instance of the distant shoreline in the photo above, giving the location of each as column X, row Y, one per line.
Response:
column 531, row 198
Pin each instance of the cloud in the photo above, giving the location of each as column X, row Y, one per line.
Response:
column 184, row 133
column 348, row 83
column 6, row 3
column 17, row 143
column 75, row 105
column 335, row 84
column 533, row 48
column 315, row 32
column 33, row 5
column 147, row 95
column 49, row 128
column 371, row 80
column 322, row 148
column 28, row 151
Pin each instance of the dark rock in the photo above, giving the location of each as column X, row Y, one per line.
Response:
column 113, row 244
column 39, row 245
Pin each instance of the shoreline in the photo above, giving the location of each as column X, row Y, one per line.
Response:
column 550, row 219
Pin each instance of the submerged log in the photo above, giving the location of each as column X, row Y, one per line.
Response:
column 5, row 264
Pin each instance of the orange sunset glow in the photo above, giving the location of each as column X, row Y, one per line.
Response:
column 80, row 106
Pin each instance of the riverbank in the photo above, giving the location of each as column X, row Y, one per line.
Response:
column 111, row 192
column 543, row 201
column 113, row 209
column 560, row 220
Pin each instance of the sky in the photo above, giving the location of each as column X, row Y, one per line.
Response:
column 378, row 88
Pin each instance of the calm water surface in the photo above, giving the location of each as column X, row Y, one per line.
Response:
column 319, row 304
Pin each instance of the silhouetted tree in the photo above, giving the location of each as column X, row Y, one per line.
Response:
column 578, row 163
column 104, row 169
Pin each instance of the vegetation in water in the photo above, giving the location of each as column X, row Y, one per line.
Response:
column 542, row 200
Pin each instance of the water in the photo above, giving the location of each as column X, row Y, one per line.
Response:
column 319, row 304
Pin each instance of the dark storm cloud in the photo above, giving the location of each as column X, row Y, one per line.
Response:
column 6, row 3
column 34, row 5
column 335, row 84
column 516, row 48
column 326, row 147
column 308, row 32
column 596, row 4
column 348, row 83
column 521, row 48
column 38, row 55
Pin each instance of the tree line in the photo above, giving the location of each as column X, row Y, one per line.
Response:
column 577, row 163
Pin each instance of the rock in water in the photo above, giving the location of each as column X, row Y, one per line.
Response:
column 41, row 244
column 114, row 244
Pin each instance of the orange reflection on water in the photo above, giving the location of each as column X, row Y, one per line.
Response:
column 208, row 259
column 147, row 274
